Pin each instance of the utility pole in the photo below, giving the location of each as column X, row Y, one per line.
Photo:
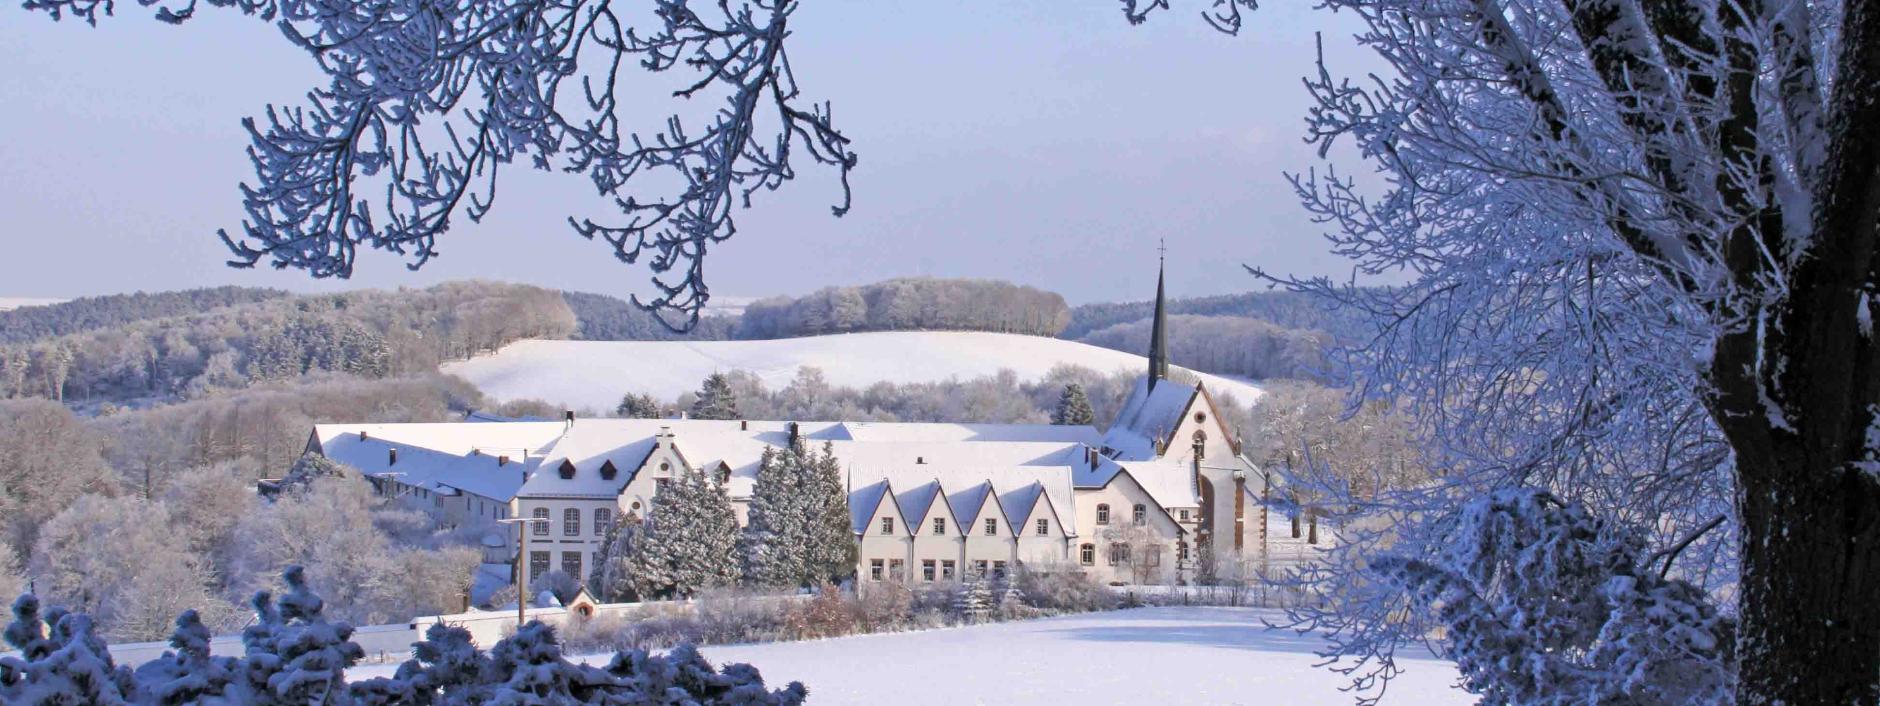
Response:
column 522, row 567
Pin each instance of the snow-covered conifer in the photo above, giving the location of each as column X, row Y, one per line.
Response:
column 188, row 675
column 798, row 531
column 974, row 600
column 689, row 542
column 294, row 655
column 1073, row 407
column 638, row 406
column 716, row 399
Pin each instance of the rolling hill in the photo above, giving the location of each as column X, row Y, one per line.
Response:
column 595, row 374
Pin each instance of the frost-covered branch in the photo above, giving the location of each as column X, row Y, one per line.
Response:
column 428, row 101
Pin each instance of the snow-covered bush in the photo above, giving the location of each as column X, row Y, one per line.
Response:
column 1547, row 605
column 974, row 601
column 827, row 614
column 1062, row 589
column 295, row 655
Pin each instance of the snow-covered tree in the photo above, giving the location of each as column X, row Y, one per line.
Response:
column 638, row 406
column 688, row 542
column 119, row 561
column 430, row 130
column 1545, row 604
column 1073, row 407
column 716, row 399
column 1640, row 239
column 798, row 531
column 974, row 600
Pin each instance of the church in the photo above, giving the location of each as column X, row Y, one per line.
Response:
column 1163, row 496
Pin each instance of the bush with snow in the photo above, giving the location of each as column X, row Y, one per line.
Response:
column 295, row 655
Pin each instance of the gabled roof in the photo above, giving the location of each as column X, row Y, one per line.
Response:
column 866, row 500
column 1148, row 416
column 967, row 500
column 916, row 501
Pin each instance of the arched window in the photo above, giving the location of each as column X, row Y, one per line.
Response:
column 1103, row 514
column 541, row 528
column 1141, row 514
column 571, row 522
column 1087, row 554
column 1201, row 444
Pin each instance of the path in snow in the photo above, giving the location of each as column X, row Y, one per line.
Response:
column 595, row 374
column 1142, row 656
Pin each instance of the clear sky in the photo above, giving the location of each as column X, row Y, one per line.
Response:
column 1047, row 143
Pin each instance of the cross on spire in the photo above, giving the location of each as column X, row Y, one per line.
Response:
column 1161, row 251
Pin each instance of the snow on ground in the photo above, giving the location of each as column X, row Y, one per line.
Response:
column 10, row 303
column 595, row 374
column 1213, row 656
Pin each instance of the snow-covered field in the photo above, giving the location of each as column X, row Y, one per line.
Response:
column 9, row 303
column 1144, row 656
column 595, row 374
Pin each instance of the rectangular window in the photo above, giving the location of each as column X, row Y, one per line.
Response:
column 979, row 567
column 571, row 522
column 939, row 526
column 992, row 526
column 571, row 564
column 875, row 569
column 541, row 528
column 897, row 570
column 1116, row 553
column 1044, row 527
column 947, row 570
column 1153, row 555
column 538, row 564
column 1141, row 515
column 1184, row 515
column 603, row 521
column 998, row 570
column 926, row 569
column 887, row 525
column 1087, row 554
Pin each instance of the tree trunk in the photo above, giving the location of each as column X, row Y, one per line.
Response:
column 1810, row 631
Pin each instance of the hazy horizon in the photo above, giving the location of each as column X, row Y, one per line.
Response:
column 1011, row 142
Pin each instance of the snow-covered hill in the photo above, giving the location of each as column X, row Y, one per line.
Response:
column 595, row 374
column 9, row 303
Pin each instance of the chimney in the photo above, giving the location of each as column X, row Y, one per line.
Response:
column 744, row 425
column 391, row 457
column 567, row 416
column 1090, row 457
column 920, row 460
column 502, row 460
column 362, row 435
column 795, row 431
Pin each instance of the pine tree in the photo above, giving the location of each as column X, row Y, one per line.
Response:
column 798, row 532
column 638, row 406
column 1073, row 407
column 974, row 601
column 689, row 542
column 716, row 399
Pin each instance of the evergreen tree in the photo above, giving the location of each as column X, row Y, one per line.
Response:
column 638, row 406
column 716, row 399
column 689, row 542
column 974, row 601
column 1073, row 407
column 798, row 532
column 613, row 579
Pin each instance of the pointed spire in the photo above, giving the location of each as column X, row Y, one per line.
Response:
column 1158, row 334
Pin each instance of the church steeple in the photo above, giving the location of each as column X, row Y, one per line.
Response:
column 1158, row 334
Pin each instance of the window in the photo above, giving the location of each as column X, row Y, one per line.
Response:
column 1184, row 515
column 926, row 569
column 603, row 521
column 939, row 526
column 1153, row 555
column 1044, row 527
column 979, row 567
column 887, row 525
column 1087, row 554
column 1200, row 417
column 571, row 522
column 571, row 563
column 1141, row 515
column 1181, row 551
column 538, row 564
column 947, row 570
column 665, row 467
column 1103, row 514
column 874, row 569
column 541, row 528
column 992, row 526
column 1119, row 553
column 897, row 570
column 998, row 570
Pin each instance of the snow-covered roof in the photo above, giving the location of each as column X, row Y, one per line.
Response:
column 1148, row 415
column 434, row 458
column 931, row 432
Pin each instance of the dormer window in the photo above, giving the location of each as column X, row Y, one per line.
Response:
column 608, row 471
column 567, row 469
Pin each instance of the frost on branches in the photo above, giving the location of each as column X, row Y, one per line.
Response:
column 1545, row 605
column 799, row 531
column 294, row 656
column 428, row 100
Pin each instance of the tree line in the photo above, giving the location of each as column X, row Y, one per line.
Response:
column 34, row 323
column 907, row 304
column 367, row 333
column 1227, row 345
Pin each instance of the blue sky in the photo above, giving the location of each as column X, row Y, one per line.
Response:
column 1047, row 143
